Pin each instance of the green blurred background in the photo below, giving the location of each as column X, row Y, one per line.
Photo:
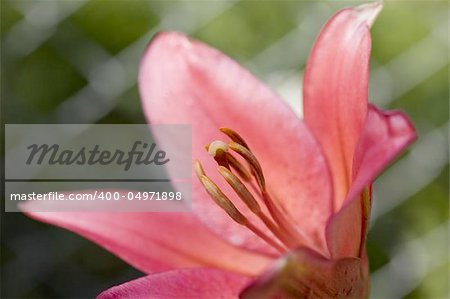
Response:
column 76, row 62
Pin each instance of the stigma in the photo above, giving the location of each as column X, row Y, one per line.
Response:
column 240, row 168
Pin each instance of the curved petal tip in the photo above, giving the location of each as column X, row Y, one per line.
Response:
column 368, row 12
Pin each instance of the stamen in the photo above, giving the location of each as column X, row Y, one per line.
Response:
column 239, row 168
column 251, row 159
column 234, row 136
column 217, row 147
column 245, row 195
column 259, row 176
column 279, row 218
column 218, row 150
column 198, row 169
column 240, row 189
column 266, row 238
column 280, row 226
column 222, row 201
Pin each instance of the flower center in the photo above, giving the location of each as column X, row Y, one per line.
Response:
column 284, row 236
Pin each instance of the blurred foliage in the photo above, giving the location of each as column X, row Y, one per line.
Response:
column 44, row 80
column 53, row 53
column 245, row 19
column 115, row 24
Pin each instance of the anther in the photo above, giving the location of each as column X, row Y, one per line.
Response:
column 234, row 136
column 225, row 203
column 239, row 168
column 240, row 189
column 235, row 172
column 198, row 169
column 217, row 147
column 245, row 195
column 251, row 159
column 222, row 200
column 218, row 150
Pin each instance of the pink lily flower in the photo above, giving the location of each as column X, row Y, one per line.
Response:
column 294, row 222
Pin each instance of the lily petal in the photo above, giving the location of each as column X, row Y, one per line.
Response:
column 385, row 135
column 335, row 89
column 185, row 81
column 185, row 283
column 306, row 274
column 344, row 230
column 153, row 241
